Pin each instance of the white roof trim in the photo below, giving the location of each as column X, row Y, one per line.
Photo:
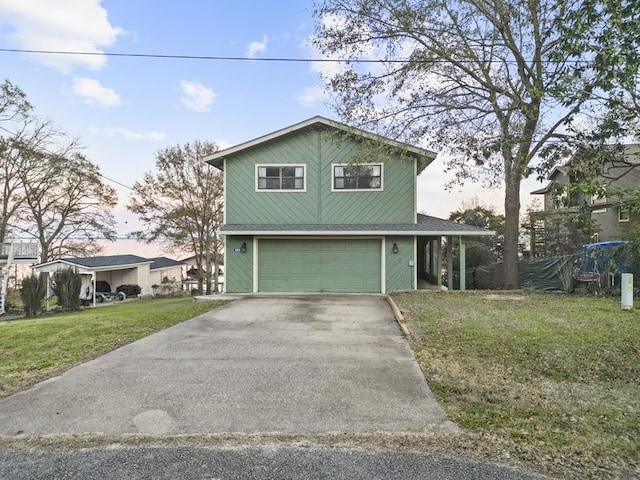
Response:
column 44, row 267
column 222, row 154
column 342, row 233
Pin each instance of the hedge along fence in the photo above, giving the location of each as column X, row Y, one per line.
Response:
column 546, row 274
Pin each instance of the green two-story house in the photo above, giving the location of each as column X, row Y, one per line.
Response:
column 323, row 207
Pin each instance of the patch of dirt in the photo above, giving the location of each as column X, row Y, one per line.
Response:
column 504, row 297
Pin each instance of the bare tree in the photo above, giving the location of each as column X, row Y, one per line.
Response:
column 67, row 202
column 49, row 189
column 182, row 202
column 14, row 114
column 482, row 80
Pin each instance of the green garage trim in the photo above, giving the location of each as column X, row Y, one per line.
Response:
column 319, row 265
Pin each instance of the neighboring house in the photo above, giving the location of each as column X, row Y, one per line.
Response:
column 115, row 270
column 323, row 207
column 191, row 280
column 166, row 272
column 609, row 216
column 12, row 253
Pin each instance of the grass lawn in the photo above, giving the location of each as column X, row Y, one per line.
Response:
column 551, row 381
column 34, row 349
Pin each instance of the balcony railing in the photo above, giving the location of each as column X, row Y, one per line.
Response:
column 21, row 250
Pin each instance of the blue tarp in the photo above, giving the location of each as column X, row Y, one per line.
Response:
column 596, row 258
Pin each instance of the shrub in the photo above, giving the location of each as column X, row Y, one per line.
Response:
column 32, row 293
column 66, row 284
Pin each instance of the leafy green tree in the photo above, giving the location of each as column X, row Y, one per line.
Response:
column 482, row 250
column 182, row 202
column 601, row 40
column 484, row 81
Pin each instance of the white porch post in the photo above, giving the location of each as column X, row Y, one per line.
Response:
column 463, row 264
column 437, row 261
column 450, row 262
column 48, row 290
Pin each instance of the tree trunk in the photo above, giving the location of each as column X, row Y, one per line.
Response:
column 511, row 231
column 200, row 272
column 208, row 268
column 216, row 287
column 216, row 264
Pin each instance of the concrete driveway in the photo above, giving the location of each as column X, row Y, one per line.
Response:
column 297, row 364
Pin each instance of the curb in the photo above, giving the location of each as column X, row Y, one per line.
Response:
column 399, row 318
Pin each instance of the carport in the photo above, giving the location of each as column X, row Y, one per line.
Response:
column 114, row 269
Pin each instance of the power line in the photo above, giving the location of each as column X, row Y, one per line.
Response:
column 199, row 57
column 257, row 59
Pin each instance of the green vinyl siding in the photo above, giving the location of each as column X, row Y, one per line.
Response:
column 238, row 269
column 319, row 265
column 317, row 150
column 399, row 274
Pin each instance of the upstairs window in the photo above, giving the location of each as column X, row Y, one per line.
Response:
column 598, row 203
column 623, row 214
column 280, row 177
column 357, row 177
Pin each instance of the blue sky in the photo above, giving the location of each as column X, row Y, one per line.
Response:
column 126, row 109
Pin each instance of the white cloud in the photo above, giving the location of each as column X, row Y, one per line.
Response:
column 63, row 25
column 257, row 47
column 94, row 93
column 222, row 143
column 195, row 96
column 312, row 96
column 133, row 136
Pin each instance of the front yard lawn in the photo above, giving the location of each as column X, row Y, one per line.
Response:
column 34, row 349
column 550, row 381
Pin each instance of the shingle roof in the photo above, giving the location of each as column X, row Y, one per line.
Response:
column 164, row 262
column 426, row 225
column 217, row 159
column 439, row 224
column 107, row 261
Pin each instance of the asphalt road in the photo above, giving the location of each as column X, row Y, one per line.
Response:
column 255, row 463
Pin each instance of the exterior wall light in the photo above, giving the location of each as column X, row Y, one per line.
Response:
column 395, row 247
column 243, row 247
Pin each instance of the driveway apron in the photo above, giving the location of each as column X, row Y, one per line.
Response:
column 290, row 364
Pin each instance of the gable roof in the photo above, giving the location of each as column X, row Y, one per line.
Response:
column 164, row 262
column 630, row 154
column 97, row 263
column 217, row 159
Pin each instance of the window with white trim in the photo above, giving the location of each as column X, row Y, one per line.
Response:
column 623, row 214
column 598, row 203
column 366, row 176
column 280, row 178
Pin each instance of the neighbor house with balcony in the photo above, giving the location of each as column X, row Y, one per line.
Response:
column 12, row 254
column 603, row 218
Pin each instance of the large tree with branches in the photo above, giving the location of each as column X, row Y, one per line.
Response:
column 487, row 82
column 67, row 206
column 182, row 202
column 48, row 189
column 15, row 111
